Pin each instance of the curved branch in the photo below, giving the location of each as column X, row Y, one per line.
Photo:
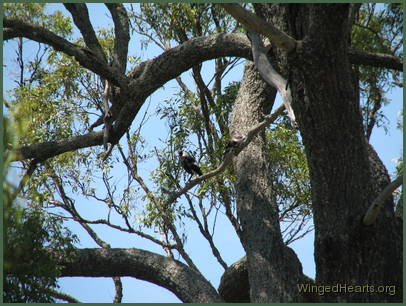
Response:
column 122, row 34
column 81, row 19
column 152, row 74
column 270, row 75
column 374, row 209
column 147, row 77
column 83, row 55
column 187, row 284
column 9, row 33
column 257, row 24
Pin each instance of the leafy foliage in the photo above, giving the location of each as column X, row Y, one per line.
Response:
column 29, row 235
column 180, row 21
column 35, row 13
column 292, row 182
column 378, row 30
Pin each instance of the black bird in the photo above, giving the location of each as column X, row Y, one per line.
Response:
column 189, row 164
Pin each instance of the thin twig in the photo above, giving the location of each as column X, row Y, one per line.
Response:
column 228, row 156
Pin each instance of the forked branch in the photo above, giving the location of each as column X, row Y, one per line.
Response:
column 258, row 25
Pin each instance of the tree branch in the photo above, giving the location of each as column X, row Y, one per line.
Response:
column 377, row 204
column 83, row 55
column 68, row 205
column 166, row 221
column 81, row 19
column 186, row 283
column 45, row 150
column 270, row 75
column 147, row 77
column 358, row 57
column 151, row 75
column 9, row 33
column 122, row 34
column 257, row 24
column 281, row 39
column 252, row 132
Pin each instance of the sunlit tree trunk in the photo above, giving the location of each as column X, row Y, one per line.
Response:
column 273, row 268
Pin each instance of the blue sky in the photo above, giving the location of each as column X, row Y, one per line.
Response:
column 388, row 145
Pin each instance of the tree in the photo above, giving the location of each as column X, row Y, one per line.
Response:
column 257, row 171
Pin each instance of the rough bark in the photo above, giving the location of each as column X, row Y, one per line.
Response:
column 186, row 283
column 273, row 268
column 344, row 180
column 235, row 288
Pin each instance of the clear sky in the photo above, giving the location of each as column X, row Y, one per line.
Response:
column 388, row 145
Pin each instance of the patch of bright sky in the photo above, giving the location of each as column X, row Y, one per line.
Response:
column 389, row 147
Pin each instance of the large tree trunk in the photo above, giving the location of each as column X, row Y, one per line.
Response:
column 273, row 269
column 346, row 175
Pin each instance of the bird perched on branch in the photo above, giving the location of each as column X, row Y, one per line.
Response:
column 189, row 164
column 235, row 140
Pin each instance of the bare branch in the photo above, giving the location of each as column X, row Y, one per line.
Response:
column 252, row 132
column 68, row 205
column 205, row 232
column 377, row 204
column 45, row 150
column 128, row 230
column 118, row 285
column 122, row 34
column 161, row 209
column 256, row 24
column 359, row 57
column 186, row 283
column 270, row 75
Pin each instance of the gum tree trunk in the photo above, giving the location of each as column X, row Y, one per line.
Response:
column 273, row 269
column 346, row 173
